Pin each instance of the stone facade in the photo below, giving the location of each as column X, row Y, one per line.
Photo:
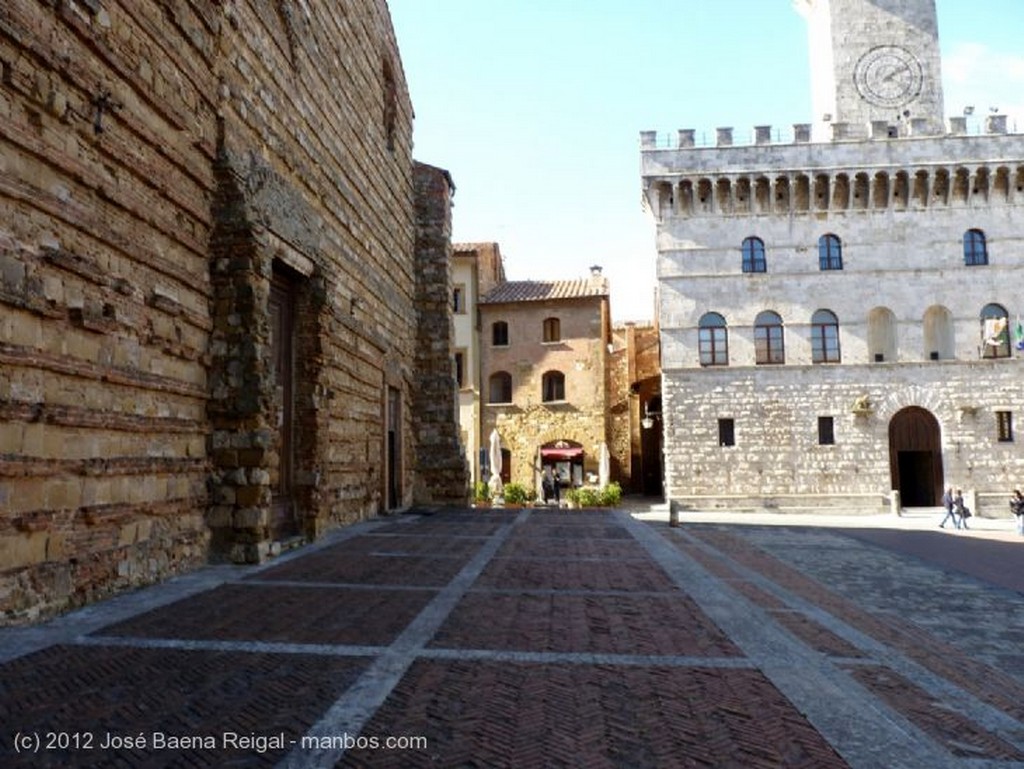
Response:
column 476, row 269
column 442, row 474
column 828, row 310
column 528, row 416
column 210, row 303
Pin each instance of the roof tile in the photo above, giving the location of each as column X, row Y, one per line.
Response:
column 542, row 290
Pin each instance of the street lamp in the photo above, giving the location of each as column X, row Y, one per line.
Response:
column 649, row 416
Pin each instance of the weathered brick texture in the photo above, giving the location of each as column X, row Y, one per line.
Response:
column 161, row 164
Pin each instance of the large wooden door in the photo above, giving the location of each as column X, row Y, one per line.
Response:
column 915, row 457
column 282, row 351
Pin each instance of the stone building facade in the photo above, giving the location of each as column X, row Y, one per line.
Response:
column 545, row 375
column 837, row 317
column 476, row 269
column 211, row 301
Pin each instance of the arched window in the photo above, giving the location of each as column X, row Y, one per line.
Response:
column 500, row 388
column 995, row 332
column 768, row 341
column 830, row 252
column 824, row 337
column 552, row 386
column 753, row 255
column 552, row 330
column 713, row 340
column 939, row 342
column 975, row 250
column 881, row 335
column 499, row 333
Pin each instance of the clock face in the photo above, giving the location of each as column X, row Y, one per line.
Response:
column 888, row 76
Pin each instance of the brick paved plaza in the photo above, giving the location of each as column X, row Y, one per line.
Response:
column 538, row 638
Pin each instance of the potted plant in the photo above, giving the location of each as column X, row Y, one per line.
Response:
column 481, row 494
column 611, row 495
column 516, row 495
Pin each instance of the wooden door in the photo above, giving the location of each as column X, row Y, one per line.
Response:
column 282, row 468
column 915, row 457
column 394, row 448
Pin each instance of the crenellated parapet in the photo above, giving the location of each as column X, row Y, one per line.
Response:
column 873, row 174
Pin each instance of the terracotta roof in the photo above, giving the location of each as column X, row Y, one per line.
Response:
column 541, row 290
column 463, row 248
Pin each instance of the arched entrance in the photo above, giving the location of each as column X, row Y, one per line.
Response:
column 915, row 457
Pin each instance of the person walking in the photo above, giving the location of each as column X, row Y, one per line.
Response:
column 947, row 502
column 960, row 509
column 1017, row 508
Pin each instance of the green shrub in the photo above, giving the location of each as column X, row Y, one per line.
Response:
column 481, row 492
column 516, row 494
column 588, row 497
column 611, row 494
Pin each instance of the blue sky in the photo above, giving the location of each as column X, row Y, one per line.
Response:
column 536, row 106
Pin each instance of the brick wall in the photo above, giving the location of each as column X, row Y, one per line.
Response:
column 161, row 164
column 108, row 134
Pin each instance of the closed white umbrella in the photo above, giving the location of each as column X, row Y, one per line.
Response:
column 604, row 466
column 538, row 475
column 495, row 450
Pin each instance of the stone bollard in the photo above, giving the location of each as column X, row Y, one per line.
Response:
column 894, row 502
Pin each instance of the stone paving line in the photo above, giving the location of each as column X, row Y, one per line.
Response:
column 76, row 625
column 818, row 556
column 351, row 712
column 849, row 719
column 779, row 625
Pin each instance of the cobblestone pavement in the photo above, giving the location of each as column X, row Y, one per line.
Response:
column 541, row 638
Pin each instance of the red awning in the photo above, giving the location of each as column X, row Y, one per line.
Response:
column 567, row 453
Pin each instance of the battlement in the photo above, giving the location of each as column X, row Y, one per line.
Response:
column 803, row 133
column 953, row 169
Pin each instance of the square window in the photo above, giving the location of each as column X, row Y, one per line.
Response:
column 826, row 431
column 460, row 369
column 1004, row 424
column 499, row 334
column 726, row 432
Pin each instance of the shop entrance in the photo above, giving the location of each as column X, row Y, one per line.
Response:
column 565, row 457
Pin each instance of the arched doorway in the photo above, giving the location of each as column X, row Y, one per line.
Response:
column 915, row 457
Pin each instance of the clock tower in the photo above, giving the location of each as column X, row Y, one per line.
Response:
column 875, row 61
